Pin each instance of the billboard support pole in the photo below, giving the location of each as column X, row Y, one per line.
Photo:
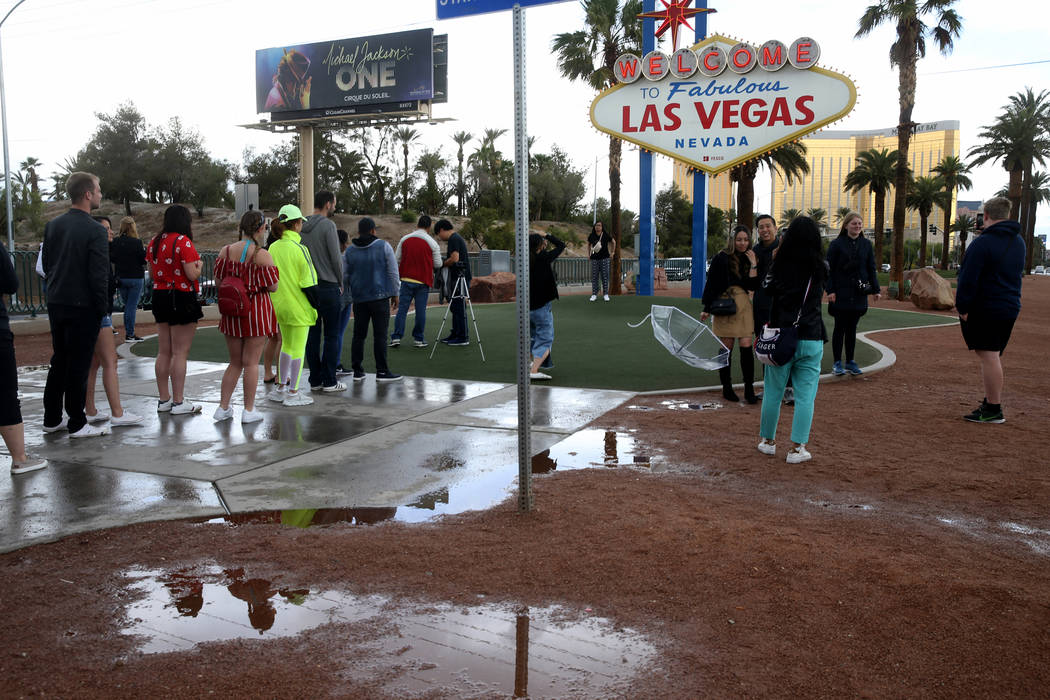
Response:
column 699, row 276
column 521, row 263
column 7, row 164
column 306, row 168
column 646, row 181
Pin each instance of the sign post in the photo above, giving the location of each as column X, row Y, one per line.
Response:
column 646, row 198
column 450, row 9
column 699, row 249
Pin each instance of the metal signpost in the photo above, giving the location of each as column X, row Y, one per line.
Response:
column 449, row 9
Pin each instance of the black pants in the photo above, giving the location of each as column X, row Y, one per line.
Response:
column 378, row 314
column 74, row 331
column 845, row 332
column 322, row 358
column 10, row 407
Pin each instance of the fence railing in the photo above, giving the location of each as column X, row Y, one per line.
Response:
column 31, row 296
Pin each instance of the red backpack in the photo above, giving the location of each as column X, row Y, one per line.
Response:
column 233, row 296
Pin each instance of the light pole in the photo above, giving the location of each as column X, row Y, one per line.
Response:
column 7, row 162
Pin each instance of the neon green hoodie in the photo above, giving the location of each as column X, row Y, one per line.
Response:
column 296, row 271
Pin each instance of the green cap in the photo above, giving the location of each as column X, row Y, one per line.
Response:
column 289, row 212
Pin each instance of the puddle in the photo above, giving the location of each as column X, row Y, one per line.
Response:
column 466, row 650
column 594, row 448
column 840, row 506
column 680, row 406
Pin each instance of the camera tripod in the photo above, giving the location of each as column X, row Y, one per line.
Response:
column 459, row 291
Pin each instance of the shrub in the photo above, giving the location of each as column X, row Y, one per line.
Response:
column 409, row 216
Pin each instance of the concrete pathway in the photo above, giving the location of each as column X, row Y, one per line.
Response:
column 425, row 445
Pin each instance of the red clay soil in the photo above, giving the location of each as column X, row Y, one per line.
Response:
column 909, row 558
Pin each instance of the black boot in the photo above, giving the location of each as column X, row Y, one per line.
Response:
column 727, row 382
column 747, row 365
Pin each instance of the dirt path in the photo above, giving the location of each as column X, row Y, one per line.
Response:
column 910, row 557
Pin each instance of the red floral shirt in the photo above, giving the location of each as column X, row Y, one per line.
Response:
column 172, row 251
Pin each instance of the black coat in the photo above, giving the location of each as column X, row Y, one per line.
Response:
column 851, row 262
column 128, row 255
column 786, row 290
column 720, row 277
column 76, row 262
column 543, row 283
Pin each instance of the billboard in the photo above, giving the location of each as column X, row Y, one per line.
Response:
column 722, row 102
column 383, row 69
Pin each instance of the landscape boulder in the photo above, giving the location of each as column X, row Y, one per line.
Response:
column 499, row 286
column 930, row 291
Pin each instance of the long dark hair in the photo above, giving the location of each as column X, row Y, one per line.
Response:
column 734, row 257
column 177, row 219
column 799, row 256
column 277, row 228
column 250, row 223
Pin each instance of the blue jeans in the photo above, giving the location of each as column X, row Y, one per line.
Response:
column 804, row 372
column 344, row 321
column 130, row 289
column 322, row 362
column 541, row 329
column 419, row 293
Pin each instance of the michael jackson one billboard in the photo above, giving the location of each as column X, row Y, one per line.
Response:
column 349, row 72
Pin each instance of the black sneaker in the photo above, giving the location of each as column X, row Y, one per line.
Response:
column 975, row 414
column 458, row 343
column 359, row 375
column 986, row 414
column 387, row 376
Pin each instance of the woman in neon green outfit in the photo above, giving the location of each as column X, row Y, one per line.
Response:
column 295, row 314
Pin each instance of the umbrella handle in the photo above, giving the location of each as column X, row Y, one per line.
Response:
column 635, row 325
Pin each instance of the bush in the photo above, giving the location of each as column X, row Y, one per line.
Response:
column 565, row 234
column 409, row 216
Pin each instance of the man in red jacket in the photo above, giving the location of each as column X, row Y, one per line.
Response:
column 417, row 257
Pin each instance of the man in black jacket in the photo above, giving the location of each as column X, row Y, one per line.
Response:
column 76, row 264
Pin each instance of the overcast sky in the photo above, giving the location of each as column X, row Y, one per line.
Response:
column 65, row 60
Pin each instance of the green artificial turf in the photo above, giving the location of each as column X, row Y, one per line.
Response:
column 593, row 346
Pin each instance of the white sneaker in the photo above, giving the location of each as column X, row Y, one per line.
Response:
column 90, row 431
column 185, row 408
column 767, row 448
column 298, row 398
column 31, row 464
column 338, row 386
column 128, row 418
column 799, row 454
column 99, row 417
column 251, row 416
column 606, row 297
column 539, row 376
column 222, row 413
column 789, row 396
column 164, row 406
column 594, row 297
column 277, row 394
column 55, row 428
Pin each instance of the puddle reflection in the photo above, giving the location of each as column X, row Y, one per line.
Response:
column 593, row 448
column 409, row 649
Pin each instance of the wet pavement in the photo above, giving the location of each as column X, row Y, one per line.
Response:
column 416, row 448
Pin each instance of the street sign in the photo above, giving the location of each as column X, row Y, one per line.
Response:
column 450, row 9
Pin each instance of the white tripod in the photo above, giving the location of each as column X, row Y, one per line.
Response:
column 459, row 291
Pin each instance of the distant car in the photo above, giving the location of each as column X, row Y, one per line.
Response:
column 1039, row 270
column 885, row 267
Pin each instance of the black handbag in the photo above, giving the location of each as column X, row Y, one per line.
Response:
column 776, row 346
column 722, row 306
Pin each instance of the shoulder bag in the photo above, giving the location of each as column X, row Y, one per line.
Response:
column 777, row 346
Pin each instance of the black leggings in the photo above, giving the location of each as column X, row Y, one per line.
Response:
column 845, row 330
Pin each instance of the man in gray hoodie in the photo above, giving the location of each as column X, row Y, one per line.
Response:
column 320, row 236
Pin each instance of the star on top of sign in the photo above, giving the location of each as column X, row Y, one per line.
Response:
column 675, row 13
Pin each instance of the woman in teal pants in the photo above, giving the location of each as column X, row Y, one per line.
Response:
column 795, row 283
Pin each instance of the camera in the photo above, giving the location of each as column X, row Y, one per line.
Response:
column 863, row 287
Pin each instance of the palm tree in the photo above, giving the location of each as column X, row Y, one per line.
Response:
column 589, row 55
column 29, row 166
column 789, row 160
column 818, row 214
column 905, row 52
column 964, row 224
column 840, row 215
column 431, row 195
column 875, row 170
column 952, row 172
column 461, row 138
column 789, row 215
column 925, row 192
column 405, row 135
column 1039, row 192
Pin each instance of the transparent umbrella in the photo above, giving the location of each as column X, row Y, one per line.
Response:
column 689, row 340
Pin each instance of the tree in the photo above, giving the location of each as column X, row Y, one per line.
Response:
column 555, row 188
column 405, row 135
column 116, row 154
column 964, row 224
column 492, row 175
column 717, row 230
column 840, row 215
column 276, row 172
column 1039, row 185
column 789, row 160
column 431, row 196
column 29, row 166
column 375, row 149
column 462, row 138
column 909, row 47
column 208, row 184
column 953, row 173
column 818, row 214
column 175, row 153
column 925, row 192
column 789, row 215
column 875, row 170
column 674, row 223
column 589, row 55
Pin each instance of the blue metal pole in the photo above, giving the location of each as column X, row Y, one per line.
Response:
column 646, row 195
column 699, row 196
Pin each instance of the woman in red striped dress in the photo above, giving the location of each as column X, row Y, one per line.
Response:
column 246, row 335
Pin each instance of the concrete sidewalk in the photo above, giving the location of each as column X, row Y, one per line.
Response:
column 432, row 444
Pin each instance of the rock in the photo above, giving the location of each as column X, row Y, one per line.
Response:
column 499, row 286
column 930, row 291
column 660, row 278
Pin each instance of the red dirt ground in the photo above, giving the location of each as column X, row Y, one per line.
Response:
column 909, row 558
